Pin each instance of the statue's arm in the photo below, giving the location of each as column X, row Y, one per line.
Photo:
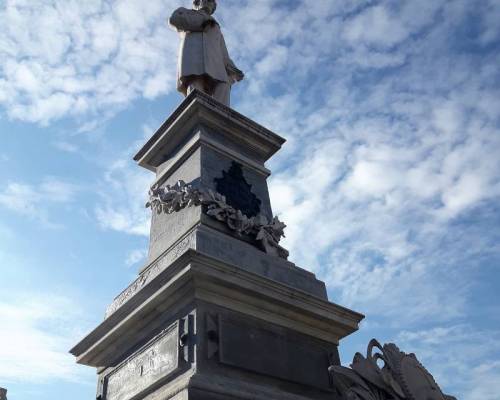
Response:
column 236, row 73
column 233, row 71
column 186, row 20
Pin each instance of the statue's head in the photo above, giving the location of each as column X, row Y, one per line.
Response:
column 207, row 5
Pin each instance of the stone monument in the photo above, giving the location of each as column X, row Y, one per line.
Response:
column 3, row 394
column 218, row 312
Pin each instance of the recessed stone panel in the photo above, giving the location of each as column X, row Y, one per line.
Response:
column 147, row 367
column 273, row 352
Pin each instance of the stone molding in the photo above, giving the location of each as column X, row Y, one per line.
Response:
column 267, row 234
column 152, row 272
column 216, row 109
column 196, row 277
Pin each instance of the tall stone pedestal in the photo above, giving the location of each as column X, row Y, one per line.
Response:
column 212, row 315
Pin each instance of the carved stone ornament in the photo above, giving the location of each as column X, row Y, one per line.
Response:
column 267, row 234
column 402, row 377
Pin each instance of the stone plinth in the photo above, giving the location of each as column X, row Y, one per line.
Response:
column 211, row 315
column 199, row 144
column 203, row 323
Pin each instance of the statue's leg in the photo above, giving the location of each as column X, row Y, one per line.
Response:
column 196, row 82
column 222, row 93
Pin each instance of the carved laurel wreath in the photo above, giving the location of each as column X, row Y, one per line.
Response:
column 170, row 199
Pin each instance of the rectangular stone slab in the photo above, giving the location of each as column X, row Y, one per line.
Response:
column 272, row 353
column 150, row 365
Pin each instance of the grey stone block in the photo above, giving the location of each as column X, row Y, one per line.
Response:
column 194, row 277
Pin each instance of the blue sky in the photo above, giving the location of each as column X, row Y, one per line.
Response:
column 389, row 182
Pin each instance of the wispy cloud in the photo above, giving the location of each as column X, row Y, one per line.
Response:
column 392, row 140
column 469, row 364
column 35, row 200
column 65, row 146
column 135, row 256
column 36, row 333
column 123, row 193
column 88, row 58
column 389, row 182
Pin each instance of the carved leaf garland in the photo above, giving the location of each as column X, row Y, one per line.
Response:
column 170, row 199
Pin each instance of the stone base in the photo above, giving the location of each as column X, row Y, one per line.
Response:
column 223, row 354
column 212, row 316
column 211, row 242
column 204, row 328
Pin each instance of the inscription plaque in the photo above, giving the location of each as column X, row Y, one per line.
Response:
column 274, row 353
column 147, row 367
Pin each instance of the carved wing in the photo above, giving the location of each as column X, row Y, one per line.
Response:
column 346, row 378
column 417, row 382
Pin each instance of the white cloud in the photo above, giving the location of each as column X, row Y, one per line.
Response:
column 274, row 61
column 470, row 363
column 385, row 29
column 483, row 380
column 490, row 17
column 65, row 146
column 36, row 333
column 83, row 58
column 392, row 128
column 34, row 200
column 386, row 25
column 135, row 256
column 380, row 168
column 124, row 194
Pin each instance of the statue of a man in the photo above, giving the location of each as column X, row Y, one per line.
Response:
column 204, row 62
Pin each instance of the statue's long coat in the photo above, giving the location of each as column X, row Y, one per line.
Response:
column 203, row 51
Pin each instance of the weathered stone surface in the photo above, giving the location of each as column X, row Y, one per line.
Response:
column 258, row 229
column 211, row 242
column 195, row 277
column 167, row 229
column 145, row 368
column 203, row 169
column 148, row 275
column 236, row 252
column 247, row 325
column 3, row 394
column 223, row 128
column 272, row 352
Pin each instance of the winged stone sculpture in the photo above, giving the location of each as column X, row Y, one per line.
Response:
column 402, row 377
